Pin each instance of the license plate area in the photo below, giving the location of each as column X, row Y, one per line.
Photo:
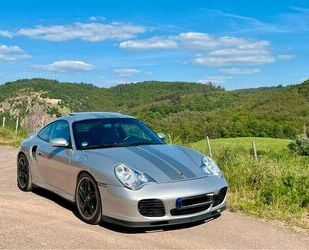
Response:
column 194, row 200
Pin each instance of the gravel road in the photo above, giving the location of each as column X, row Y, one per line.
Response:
column 40, row 219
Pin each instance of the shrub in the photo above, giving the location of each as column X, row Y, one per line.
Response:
column 300, row 144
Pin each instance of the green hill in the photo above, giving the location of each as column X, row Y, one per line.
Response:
column 187, row 111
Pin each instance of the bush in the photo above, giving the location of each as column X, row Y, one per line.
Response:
column 300, row 144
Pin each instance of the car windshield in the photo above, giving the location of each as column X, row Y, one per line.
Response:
column 112, row 132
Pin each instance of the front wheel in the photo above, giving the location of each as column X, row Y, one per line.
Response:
column 23, row 174
column 88, row 199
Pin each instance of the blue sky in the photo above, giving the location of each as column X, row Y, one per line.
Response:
column 237, row 44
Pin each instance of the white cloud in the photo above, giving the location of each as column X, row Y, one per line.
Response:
column 6, row 33
column 92, row 32
column 232, row 60
column 246, row 24
column 238, row 52
column 234, row 16
column 196, row 40
column 12, row 53
column 285, row 57
column 215, row 79
column 212, row 51
column 239, row 71
column 228, row 50
column 151, row 43
column 204, row 41
column 97, row 18
column 126, row 72
column 66, row 66
column 293, row 21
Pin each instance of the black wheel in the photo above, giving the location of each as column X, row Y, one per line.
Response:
column 88, row 199
column 23, row 173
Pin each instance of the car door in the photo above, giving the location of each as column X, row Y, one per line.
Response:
column 54, row 162
column 40, row 152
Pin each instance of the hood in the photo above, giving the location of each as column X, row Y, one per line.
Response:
column 163, row 163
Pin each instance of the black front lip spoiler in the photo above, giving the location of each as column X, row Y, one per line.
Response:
column 153, row 224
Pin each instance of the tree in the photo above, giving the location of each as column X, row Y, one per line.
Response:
column 300, row 144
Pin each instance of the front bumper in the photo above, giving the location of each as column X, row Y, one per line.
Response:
column 149, row 224
column 120, row 205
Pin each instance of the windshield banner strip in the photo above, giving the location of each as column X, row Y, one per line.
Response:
column 176, row 164
column 162, row 165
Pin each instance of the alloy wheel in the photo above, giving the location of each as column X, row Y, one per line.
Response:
column 22, row 172
column 87, row 200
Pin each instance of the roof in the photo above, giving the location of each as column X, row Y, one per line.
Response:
column 77, row 116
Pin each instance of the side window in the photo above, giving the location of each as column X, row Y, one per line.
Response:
column 44, row 133
column 60, row 129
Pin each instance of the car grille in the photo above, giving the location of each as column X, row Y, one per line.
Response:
column 151, row 208
column 219, row 198
column 193, row 204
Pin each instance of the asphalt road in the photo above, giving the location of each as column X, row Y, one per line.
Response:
column 43, row 220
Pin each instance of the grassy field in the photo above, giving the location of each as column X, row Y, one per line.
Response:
column 243, row 143
column 274, row 187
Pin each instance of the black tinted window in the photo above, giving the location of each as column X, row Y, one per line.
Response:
column 44, row 133
column 114, row 132
column 60, row 129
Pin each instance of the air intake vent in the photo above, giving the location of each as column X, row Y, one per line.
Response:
column 151, row 208
column 219, row 198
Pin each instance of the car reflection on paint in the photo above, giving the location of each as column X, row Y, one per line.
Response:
column 117, row 169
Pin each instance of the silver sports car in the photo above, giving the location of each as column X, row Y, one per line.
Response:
column 117, row 169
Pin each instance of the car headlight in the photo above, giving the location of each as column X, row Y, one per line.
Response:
column 131, row 178
column 210, row 167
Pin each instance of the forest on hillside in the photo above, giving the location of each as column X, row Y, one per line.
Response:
column 185, row 110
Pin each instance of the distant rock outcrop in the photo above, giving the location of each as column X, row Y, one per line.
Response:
column 33, row 110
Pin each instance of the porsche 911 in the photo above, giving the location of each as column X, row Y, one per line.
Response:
column 116, row 169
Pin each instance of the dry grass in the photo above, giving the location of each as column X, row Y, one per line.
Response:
column 9, row 138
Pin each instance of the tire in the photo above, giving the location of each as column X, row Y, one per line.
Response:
column 23, row 174
column 88, row 200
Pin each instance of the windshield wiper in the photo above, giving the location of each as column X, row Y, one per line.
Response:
column 120, row 145
column 103, row 146
column 142, row 143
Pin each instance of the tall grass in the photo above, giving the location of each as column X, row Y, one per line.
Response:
column 8, row 137
column 274, row 187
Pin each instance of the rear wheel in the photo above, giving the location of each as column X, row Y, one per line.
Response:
column 88, row 199
column 23, row 173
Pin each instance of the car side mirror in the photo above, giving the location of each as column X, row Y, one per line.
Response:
column 31, row 135
column 161, row 135
column 59, row 142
